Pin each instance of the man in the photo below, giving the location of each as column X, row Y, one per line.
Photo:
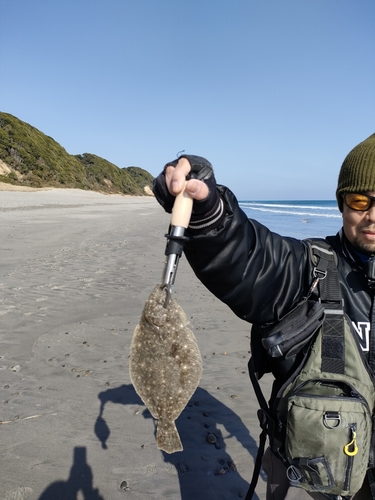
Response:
column 261, row 275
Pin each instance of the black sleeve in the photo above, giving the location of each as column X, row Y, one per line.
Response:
column 259, row 274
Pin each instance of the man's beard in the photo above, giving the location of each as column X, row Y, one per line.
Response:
column 363, row 248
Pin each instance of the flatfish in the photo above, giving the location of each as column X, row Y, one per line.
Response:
column 165, row 365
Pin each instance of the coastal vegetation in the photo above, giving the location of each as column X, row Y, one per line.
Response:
column 28, row 157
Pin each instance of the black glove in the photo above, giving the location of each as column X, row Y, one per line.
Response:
column 200, row 169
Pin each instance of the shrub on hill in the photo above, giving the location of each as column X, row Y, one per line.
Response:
column 29, row 157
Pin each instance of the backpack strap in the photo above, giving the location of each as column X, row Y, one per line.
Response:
column 266, row 423
column 333, row 348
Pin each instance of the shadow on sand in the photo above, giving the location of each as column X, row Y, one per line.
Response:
column 80, row 480
column 199, row 463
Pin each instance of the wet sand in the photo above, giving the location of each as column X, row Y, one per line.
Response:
column 77, row 268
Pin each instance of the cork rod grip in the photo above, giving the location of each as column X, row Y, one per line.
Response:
column 182, row 208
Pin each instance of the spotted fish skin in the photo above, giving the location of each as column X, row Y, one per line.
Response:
column 165, row 365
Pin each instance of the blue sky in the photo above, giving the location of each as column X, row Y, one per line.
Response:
column 273, row 92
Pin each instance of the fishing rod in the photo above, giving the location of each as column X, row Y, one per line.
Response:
column 181, row 214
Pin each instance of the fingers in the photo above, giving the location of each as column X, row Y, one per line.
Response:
column 175, row 178
column 198, row 190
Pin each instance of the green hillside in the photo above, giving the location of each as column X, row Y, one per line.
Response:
column 30, row 158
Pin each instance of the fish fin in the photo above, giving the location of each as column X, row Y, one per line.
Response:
column 167, row 437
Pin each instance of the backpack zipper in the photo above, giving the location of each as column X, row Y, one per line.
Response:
column 350, row 450
column 353, row 393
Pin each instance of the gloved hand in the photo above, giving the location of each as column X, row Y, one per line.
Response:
column 200, row 169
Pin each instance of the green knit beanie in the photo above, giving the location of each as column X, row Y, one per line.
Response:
column 357, row 173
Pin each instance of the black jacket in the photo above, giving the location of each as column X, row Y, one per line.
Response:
column 261, row 275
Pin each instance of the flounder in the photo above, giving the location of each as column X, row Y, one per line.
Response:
column 165, row 365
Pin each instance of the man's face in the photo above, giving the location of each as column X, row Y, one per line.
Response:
column 359, row 227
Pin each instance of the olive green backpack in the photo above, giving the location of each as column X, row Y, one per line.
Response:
column 320, row 418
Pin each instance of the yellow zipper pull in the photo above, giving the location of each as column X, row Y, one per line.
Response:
column 351, row 448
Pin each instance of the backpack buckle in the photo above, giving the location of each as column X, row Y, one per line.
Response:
column 319, row 275
column 294, row 475
column 331, row 419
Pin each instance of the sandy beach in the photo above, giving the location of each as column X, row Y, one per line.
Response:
column 76, row 270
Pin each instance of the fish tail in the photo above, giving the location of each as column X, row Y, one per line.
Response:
column 167, row 437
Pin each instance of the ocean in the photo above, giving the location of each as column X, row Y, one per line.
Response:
column 299, row 219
